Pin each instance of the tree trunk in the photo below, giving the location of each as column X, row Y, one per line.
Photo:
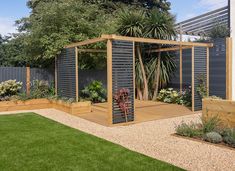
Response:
column 157, row 76
column 145, row 93
column 139, row 94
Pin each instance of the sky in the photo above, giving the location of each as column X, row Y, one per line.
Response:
column 12, row 10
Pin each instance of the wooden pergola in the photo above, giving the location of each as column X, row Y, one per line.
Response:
column 110, row 49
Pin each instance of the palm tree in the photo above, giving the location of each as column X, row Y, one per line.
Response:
column 131, row 23
column 159, row 25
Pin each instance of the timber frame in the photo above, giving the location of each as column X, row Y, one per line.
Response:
column 178, row 46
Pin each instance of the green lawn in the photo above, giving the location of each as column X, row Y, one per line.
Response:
column 31, row 142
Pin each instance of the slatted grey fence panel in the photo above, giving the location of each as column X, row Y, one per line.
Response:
column 13, row 73
column 122, row 64
column 42, row 74
column 186, row 70
column 202, row 24
column 66, row 73
column 217, row 79
column 200, row 64
column 87, row 76
column 175, row 77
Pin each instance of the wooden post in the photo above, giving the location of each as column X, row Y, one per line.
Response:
column 76, row 68
column 28, row 80
column 109, row 81
column 56, row 79
column 134, row 76
column 193, row 88
column 208, row 70
column 181, row 69
column 229, row 68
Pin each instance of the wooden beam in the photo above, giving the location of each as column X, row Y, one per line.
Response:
column 76, row 64
column 170, row 49
column 134, row 76
column 156, row 41
column 208, row 71
column 86, row 42
column 229, row 68
column 92, row 50
column 193, row 88
column 28, row 80
column 181, row 69
column 56, row 79
column 109, row 81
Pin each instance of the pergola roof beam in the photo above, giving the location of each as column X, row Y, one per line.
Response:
column 169, row 49
column 156, row 41
column 85, row 42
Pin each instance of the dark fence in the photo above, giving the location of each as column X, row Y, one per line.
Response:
column 87, row 76
column 122, row 77
column 217, row 72
column 20, row 74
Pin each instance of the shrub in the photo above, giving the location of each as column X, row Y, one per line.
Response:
column 94, row 92
column 213, row 137
column 202, row 88
column 210, row 124
column 229, row 137
column 39, row 89
column 172, row 96
column 188, row 130
column 9, row 88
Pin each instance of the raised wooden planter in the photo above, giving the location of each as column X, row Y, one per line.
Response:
column 73, row 108
column 224, row 109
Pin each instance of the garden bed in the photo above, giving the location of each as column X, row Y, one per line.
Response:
column 71, row 108
column 199, row 139
column 223, row 109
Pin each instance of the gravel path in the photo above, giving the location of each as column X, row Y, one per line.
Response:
column 154, row 139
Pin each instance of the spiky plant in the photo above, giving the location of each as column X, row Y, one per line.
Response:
column 159, row 25
column 131, row 23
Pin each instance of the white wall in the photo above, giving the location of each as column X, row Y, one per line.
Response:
column 232, row 23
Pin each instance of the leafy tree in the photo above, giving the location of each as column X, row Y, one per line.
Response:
column 162, row 5
column 131, row 23
column 219, row 31
column 53, row 24
column 159, row 25
column 152, row 24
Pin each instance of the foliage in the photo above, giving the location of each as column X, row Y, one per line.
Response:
column 188, row 130
column 167, row 67
column 213, row 137
column 210, row 124
column 159, row 25
column 151, row 70
column 9, row 88
column 121, row 98
column 202, row 88
column 219, row 31
column 229, row 136
column 172, row 96
column 41, row 89
column 95, row 92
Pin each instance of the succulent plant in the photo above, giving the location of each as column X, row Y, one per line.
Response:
column 213, row 137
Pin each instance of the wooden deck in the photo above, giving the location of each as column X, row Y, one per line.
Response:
column 145, row 111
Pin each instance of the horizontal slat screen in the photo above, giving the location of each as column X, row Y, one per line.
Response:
column 122, row 74
column 66, row 73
